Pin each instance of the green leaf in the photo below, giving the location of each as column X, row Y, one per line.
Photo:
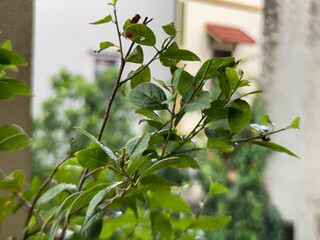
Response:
column 171, row 56
column 182, row 81
column 136, row 56
column 224, row 85
column 9, row 57
column 126, row 24
column 113, row 3
column 274, row 147
column 53, row 192
column 92, row 228
column 266, row 120
column 140, row 34
column 144, row 75
column 162, row 197
column 138, row 164
column 295, row 124
column 248, row 93
column 187, row 162
column 177, row 162
column 232, row 77
column 110, row 224
column 219, row 139
column 170, row 29
column 84, row 198
column 103, row 147
column 212, row 66
column 161, row 225
column 217, row 188
column 149, row 114
column 103, row 20
column 164, row 134
column 105, row 45
column 164, row 85
column 152, row 123
column 149, row 96
column 13, row 182
column 92, row 157
column 11, row 87
column 239, row 115
column 244, row 83
column 136, row 146
column 206, row 223
column 98, row 198
column 153, row 119
column 202, row 101
column 6, row 44
column 217, row 110
column 58, row 213
column 13, row 137
column 7, row 206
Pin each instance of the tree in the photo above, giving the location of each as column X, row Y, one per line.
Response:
column 75, row 101
column 103, row 193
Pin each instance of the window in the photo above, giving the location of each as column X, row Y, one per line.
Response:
column 222, row 53
column 288, row 231
column 103, row 62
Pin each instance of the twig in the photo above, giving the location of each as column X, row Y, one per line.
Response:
column 42, row 188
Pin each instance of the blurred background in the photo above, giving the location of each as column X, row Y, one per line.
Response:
column 272, row 196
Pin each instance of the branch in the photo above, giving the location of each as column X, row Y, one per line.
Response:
column 260, row 136
column 42, row 188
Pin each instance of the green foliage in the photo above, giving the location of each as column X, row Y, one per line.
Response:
column 253, row 216
column 107, row 184
column 76, row 102
column 12, row 137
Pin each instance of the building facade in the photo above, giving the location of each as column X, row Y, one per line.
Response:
column 291, row 79
column 65, row 39
column 16, row 24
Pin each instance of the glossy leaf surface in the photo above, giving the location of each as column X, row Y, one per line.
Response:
column 13, row 137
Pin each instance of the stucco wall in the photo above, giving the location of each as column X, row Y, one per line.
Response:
column 292, row 86
column 16, row 25
column 196, row 39
column 65, row 39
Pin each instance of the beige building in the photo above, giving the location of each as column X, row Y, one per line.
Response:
column 221, row 28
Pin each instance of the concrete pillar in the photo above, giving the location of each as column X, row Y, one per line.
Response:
column 16, row 25
column 291, row 80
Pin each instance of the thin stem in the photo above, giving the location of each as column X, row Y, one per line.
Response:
column 258, row 136
column 193, row 133
column 111, row 100
column 118, row 31
column 42, row 188
column 170, row 129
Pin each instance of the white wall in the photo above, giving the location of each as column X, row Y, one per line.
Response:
column 64, row 37
column 292, row 87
